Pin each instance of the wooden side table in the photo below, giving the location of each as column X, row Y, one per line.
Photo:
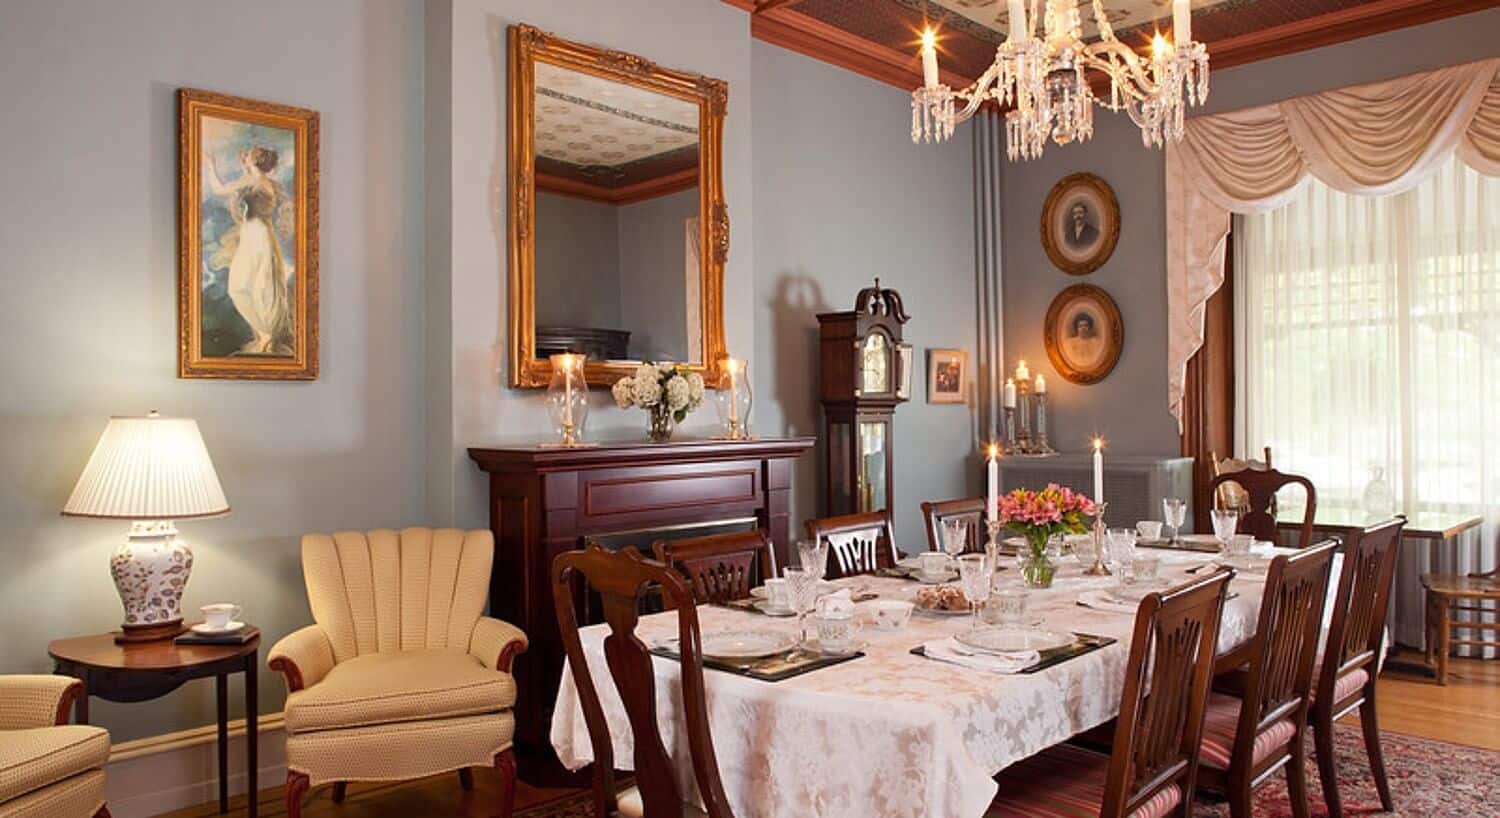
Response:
column 141, row 671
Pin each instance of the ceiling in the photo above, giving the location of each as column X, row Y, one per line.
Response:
column 880, row 38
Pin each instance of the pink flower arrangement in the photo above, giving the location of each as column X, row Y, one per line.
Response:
column 1037, row 515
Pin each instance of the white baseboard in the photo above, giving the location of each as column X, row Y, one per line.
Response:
column 159, row 774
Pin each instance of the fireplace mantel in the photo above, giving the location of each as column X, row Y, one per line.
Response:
column 546, row 501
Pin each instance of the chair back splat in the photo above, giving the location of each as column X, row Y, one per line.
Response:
column 857, row 543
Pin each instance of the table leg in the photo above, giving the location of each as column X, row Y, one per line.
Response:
column 81, row 709
column 221, row 696
column 252, row 733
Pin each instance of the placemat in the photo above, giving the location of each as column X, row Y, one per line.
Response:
column 1180, row 545
column 1086, row 643
column 776, row 668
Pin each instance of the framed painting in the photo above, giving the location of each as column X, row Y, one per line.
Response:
column 947, row 370
column 1083, row 333
column 1080, row 223
column 247, row 243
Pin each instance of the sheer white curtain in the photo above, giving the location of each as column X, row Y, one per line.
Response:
column 1368, row 337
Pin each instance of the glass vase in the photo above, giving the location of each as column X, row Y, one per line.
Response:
column 659, row 423
column 568, row 398
column 1378, row 498
column 733, row 400
column 1037, row 566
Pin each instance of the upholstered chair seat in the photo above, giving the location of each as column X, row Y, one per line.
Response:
column 401, row 677
column 48, row 768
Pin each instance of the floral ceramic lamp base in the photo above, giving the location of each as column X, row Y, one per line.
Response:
column 151, row 569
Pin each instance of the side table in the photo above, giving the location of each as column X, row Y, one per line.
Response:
column 141, row 671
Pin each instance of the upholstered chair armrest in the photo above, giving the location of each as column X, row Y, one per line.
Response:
column 497, row 643
column 36, row 701
column 303, row 656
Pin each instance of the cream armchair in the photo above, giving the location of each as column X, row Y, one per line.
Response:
column 401, row 677
column 48, row 768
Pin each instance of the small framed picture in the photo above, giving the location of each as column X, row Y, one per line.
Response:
column 1080, row 223
column 947, row 371
column 1083, row 333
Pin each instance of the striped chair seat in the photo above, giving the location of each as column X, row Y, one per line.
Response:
column 1219, row 725
column 1345, row 686
column 1065, row 782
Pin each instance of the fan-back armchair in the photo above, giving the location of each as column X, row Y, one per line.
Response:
column 401, row 677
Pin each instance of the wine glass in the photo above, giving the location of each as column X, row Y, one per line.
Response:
column 802, row 590
column 814, row 556
column 1174, row 509
column 974, row 573
column 955, row 536
column 1119, row 553
column 1225, row 522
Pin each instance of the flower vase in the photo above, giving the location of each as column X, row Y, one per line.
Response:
column 1037, row 566
column 659, row 423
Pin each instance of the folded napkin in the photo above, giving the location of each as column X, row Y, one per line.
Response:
column 1100, row 600
column 948, row 650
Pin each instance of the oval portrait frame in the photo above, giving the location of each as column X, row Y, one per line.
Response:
column 1115, row 338
column 1106, row 248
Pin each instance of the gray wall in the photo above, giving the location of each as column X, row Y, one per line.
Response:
column 653, row 265
column 577, row 263
column 1130, row 406
column 89, row 228
column 842, row 196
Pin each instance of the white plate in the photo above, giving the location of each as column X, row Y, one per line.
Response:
column 812, row 646
column 203, row 629
column 1012, row 640
column 1246, row 565
column 1199, row 539
column 1133, row 594
column 765, row 607
column 746, row 644
column 824, row 587
column 933, row 579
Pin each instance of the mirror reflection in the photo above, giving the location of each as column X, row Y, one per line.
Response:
column 618, row 237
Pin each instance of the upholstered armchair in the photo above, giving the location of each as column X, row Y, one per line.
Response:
column 401, row 677
column 48, row 768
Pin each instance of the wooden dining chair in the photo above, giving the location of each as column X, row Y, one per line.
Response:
column 1152, row 767
column 971, row 509
column 1350, row 660
column 622, row 579
column 857, row 543
column 1261, row 486
column 1230, row 495
column 720, row 567
column 1247, row 738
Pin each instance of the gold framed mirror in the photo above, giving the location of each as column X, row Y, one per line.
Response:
column 618, row 227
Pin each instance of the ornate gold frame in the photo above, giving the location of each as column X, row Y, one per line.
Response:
column 529, row 44
column 1116, row 339
column 1106, row 249
column 192, row 104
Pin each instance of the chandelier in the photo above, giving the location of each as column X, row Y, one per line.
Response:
column 1047, row 79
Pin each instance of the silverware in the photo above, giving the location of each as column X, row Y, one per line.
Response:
column 1201, row 567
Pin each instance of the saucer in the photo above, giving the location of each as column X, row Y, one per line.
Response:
column 203, row 629
column 764, row 606
column 812, row 646
column 933, row 579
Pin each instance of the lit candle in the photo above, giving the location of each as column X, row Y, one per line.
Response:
column 1010, row 393
column 1018, row 30
column 732, row 365
column 1022, row 373
column 1041, row 384
column 567, row 368
column 1098, row 470
column 929, row 58
column 1182, row 22
column 992, row 504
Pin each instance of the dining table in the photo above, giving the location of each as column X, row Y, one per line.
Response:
column 891, row 734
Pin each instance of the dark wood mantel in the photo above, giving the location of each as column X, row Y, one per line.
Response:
column 546, row 501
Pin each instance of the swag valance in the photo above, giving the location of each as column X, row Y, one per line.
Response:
column 1373, row 140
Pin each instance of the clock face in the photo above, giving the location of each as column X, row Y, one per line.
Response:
column 875, row 364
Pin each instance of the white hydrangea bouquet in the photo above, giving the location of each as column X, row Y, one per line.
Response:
column 666, row 391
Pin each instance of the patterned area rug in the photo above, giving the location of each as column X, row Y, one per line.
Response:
column 1429, row 779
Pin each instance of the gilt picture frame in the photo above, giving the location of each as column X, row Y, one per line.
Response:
column 1080, row 223
column 947, row 375
column 1083, row 333
column 247, row 279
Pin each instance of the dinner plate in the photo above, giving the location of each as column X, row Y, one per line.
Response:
column 812, row 646
column 746, row 644
column 824, row 587
column 1012, row 640
column 1133, row 594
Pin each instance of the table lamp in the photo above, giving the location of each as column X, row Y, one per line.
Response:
column 152, row 471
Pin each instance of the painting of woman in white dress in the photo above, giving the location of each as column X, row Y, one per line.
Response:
column 249, row 294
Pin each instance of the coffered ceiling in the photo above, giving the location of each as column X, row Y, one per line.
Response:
column 880, row 38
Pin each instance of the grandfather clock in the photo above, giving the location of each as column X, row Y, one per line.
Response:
column 865, row 373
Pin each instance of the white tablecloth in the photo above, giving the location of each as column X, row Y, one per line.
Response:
column 889, row 734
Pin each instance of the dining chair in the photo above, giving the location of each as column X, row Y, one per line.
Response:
column 1351, row 655
column 1231, row 495
column 1449, row 594
column 971, row 509
column 857, row 543
column 719, row 567
column 623, row 579
column 1153, row 763
column 1261, row 486
column 1248, row 737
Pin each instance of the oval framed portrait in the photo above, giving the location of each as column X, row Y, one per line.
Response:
column 1080, row 223
column 1083, row 333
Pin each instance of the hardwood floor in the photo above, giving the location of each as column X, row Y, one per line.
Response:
column 1466, row 711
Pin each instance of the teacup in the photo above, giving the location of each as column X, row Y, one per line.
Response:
column 1238, row 546
column 836, row 631
column 890, row 614
column 218, row 615
column 933, row 563
column 777, row 594
column 1149, row 529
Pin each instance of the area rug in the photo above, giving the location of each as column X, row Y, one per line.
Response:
column 1429, row 779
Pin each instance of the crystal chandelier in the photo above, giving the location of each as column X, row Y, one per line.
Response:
column 1047, row 81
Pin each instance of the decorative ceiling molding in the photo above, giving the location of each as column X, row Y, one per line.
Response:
column 627, row 194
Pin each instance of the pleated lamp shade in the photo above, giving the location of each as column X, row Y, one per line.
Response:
column 149, row 468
